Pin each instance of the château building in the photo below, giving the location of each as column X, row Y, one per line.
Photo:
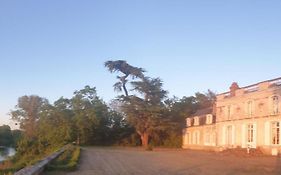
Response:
column 246, row 117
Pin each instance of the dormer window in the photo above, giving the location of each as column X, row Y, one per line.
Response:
column 209, row 119
column 196, row 121
column 188, row 122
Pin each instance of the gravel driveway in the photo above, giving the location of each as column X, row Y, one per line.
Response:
column 130, row 161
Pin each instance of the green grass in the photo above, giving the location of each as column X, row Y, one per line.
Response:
column 67, row 161
column 20, row 161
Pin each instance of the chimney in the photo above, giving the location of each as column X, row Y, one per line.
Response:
column 233, row 88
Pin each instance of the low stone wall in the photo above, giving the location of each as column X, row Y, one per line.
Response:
column 39, row 167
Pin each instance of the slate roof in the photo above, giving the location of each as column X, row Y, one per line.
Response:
column 203, row 112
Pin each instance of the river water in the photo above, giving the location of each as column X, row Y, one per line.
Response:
column 6, row 152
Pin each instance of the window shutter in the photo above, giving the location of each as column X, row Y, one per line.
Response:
column 270, row 106
column 243, row 136
column 223, row 135
column 255, row 135
column 233, row 135
column 267, row 133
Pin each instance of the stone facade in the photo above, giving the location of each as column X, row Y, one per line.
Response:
column 247, row 117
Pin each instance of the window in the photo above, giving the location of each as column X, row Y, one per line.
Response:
column 275, row 105
column 250, row 108
column 207, row 139
column 209, row 136
column 250, row 133
column 209, row 119
column 196, row 137
column 187, row 138
column 275, row 133
column 228, row 112
column 196, row 121
column 188, row 122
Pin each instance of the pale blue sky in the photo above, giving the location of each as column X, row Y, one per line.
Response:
column 51, row 48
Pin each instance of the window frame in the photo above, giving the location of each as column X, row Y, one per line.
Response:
column 188, row 122
column 275, row 135
column 209, row 119
column 196, row 121
column 250, row 108
column 275, row 106
column 250, row 137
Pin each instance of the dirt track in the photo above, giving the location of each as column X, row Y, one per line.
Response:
column 114, row 161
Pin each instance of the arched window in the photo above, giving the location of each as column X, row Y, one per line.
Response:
column 275, row 104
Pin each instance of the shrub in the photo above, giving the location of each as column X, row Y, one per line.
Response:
column 67, row 161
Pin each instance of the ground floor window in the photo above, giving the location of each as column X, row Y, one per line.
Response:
column 196, row 137
column 209, row 136
column 207, row 139
column 275, row 133
column 186, row 138
column 229, row 135
column 250, row 133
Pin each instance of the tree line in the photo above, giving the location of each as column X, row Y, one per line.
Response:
column 8, row 137
column 143, row 116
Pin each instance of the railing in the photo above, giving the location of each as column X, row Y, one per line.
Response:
column 255, row 87
column 251, row 88
column 39, row 167
column 275, row 81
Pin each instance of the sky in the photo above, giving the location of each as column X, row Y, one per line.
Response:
column 52, row 48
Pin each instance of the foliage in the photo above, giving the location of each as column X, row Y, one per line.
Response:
column 6, row 136
column 67, row 161
column 27, row 113
column 127, row 70
column 145, row 113
column 148, row 118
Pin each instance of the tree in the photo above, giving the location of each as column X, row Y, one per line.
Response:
column 6, row 137
column 84, row 114
column 27, row 113
column 145, row 113
column 55, row 124
column 127, row 70
column 205, row 100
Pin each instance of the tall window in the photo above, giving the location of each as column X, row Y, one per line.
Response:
column 275, row 133
column 250, row 130
column 275, row 105
column 188, row 122
column 228, row 112
column 196, row 137
column 209, row 119
column 187, row 138
column 250, row 108
column 196, row 121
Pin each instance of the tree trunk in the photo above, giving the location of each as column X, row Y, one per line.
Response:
column 123, row 80
column 144, row 139
column 125, row 90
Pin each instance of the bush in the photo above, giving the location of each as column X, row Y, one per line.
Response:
column 173, row 141
column 67, row 161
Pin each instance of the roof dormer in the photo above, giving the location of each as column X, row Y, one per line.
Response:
column 196, row 121
column 188, row 122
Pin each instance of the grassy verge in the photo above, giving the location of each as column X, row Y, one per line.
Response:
column 67, row 161
column 20, row 161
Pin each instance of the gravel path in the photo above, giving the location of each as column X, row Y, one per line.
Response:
column 128, row 161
